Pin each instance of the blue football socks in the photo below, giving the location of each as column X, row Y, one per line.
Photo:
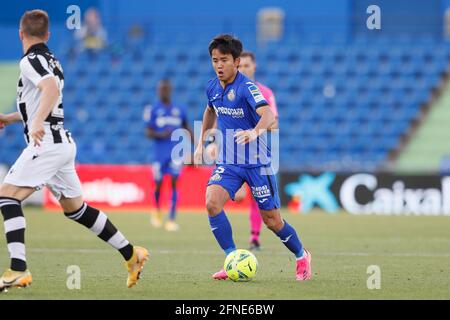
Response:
column 221, row 228
column 290, row 239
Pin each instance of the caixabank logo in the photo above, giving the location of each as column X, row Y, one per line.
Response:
column 309, row 191
column 367, row 193
column 395, row 195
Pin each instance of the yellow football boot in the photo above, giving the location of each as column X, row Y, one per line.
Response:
column 171, row 226
column 156, row 219
column 15, row 279
column 135, row 265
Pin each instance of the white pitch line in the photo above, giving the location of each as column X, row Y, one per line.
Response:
column 217, row 252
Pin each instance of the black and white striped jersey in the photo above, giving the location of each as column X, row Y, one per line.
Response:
column 38, row 64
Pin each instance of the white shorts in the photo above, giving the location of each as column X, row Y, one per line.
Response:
column 51, row 165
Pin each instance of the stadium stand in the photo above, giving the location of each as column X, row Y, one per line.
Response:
column 422, row 155
column 344, row 105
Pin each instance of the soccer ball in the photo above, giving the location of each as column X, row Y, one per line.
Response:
column 240, row 265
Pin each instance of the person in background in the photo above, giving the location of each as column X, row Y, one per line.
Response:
column 163, row 118
column 92, row 36
column 247, row 66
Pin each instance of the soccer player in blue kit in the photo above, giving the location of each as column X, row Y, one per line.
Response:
column 240, row 108
column 161, row 120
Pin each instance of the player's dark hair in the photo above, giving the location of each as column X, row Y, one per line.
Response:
column 226, row 44
column 248, row 54
column 35, row 23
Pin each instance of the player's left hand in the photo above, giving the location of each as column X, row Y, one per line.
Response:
column 37, row 133
column 245, row 136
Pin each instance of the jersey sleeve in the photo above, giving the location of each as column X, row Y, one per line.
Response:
column 208, row 93
column 35, row 68
column 209, row 104
column 253, row 95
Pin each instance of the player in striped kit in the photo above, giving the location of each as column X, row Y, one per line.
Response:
column 49, row 158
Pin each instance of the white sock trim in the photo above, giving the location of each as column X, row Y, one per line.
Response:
column 99, row 224
column 17, row 250
column 77, row 215
column 15, row 224
column 118, row 241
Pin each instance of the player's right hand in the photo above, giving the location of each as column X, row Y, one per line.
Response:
column 3, row 121
column 198, row 155
column 37, row 133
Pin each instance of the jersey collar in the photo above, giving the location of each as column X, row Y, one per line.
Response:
column 238, row 75
column 41, row 46
column 163, row 105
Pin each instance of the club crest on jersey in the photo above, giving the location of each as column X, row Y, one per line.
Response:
column 231, row 95
column 215, row 177
column 175, row 112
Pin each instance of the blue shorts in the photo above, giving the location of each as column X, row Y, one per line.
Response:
column 168, row 166
column 263, row 186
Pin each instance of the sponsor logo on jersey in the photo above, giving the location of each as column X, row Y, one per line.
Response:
column 231, row 95
column 168, row 121
column 261, row 192
column 233, row 112
column 256, row 93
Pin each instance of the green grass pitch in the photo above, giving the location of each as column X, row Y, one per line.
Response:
column 413, row 254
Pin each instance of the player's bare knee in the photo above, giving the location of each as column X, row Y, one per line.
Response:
column 3, row 190
column 273, row 221
column 71, row 204
column 216, row 197
column 277, row 225
column 213, row 206
column 19, row 193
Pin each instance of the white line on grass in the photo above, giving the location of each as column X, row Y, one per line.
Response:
column 217, row 252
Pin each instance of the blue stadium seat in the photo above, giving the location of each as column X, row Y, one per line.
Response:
column 343, row 104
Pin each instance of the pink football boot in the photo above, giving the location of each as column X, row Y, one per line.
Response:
column 220, row 275
column 304, row 267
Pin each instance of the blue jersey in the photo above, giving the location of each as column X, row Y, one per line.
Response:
column 162, row 118
column 235, row 107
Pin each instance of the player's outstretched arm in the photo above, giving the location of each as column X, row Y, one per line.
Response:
column 49, row 98
column 209, row 120
column 266, row 122
column 7, row 119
